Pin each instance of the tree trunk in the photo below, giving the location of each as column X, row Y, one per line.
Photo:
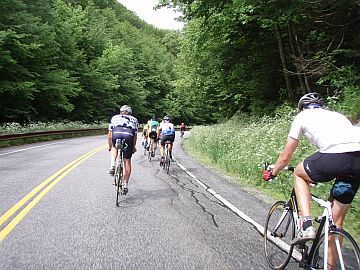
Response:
column 292, row 39
column 289, row 87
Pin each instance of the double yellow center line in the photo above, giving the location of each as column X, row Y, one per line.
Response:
column 40, row 192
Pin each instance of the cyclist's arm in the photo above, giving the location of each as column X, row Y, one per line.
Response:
column 285, row 155
column 109, row 139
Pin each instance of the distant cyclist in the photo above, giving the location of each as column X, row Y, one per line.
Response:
column 152, row 133
column 166, row 133
column 123, row 126
column 145, row 135
column 338, row 157
column 182, row 129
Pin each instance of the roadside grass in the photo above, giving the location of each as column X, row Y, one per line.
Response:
column 239, row 148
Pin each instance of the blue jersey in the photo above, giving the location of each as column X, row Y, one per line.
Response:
column 167, row 129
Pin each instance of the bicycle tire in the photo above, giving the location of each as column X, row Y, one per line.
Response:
column 167, row 164
column 149, row 152
column 119, row 182
column 277, row 245
column 349, row 250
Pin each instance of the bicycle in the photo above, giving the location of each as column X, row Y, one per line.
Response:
column 166, row 164
column 121, row 145
column 182, row 132
column 150, row 147
column 283, row 222
column 151, row 153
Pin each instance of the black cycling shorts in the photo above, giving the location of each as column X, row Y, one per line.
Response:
column 345, row 167
column 127, row 134
column 165, row 138
column 153, row 135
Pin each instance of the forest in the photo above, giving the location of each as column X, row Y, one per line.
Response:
column 79, row 60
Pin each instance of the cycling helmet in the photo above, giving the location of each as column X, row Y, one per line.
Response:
column 166, row 118
column 309, row 99
column 126, row 109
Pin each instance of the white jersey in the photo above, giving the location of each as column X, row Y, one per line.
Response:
column 124, row 120
column 329, row 131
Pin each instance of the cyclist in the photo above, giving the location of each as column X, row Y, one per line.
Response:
column 145, row 135
column 182, row 129
column 338, row 142
column 123, row 126
column 167, row 133
column 152, row 131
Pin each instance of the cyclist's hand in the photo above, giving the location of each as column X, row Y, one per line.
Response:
column 267, row 175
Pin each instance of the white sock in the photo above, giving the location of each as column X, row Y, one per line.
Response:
column 112, row 164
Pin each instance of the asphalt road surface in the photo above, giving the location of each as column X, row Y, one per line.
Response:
column 57, row 211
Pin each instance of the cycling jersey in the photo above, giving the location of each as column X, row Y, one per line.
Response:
column 123, row 120
column 329, row 131
column 153, row 126
column 167, row 129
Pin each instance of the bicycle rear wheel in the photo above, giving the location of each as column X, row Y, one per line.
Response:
column 345, row 256
column 167, row 164
column 279, row 231
column 118, row 182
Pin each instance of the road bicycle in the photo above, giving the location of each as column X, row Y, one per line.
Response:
column 282, row 224
column 166, row 163
column 182, row 133
column 121, row 146
column 151, row 146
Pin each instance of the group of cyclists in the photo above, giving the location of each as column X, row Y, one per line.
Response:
column 125, row 126
column 338, row 155
column 163, row 132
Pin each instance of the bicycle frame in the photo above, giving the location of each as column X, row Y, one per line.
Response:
column 326, row 221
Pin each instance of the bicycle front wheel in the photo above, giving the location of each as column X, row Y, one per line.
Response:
column 279, row 231
column 343, row 252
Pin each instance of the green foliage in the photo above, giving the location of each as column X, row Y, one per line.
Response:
column 346, row 97
column 246, row 143
column 80, row 60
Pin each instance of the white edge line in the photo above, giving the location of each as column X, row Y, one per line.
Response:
column 241, row 214
column 34, row 147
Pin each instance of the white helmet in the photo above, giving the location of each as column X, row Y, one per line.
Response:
column 126, row 109
column 309, row 99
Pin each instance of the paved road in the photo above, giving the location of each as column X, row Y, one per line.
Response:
column 190, row 219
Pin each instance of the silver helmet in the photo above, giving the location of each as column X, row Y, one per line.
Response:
column 126, row 109
column 310, row 98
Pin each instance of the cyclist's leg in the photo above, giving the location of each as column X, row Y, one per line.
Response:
column 341, row 202
column 113, row 153
column 127, row 169
column 171, row 139
column 162, row 154
column 302, row 189
column 339, row 211
column 155, row 143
